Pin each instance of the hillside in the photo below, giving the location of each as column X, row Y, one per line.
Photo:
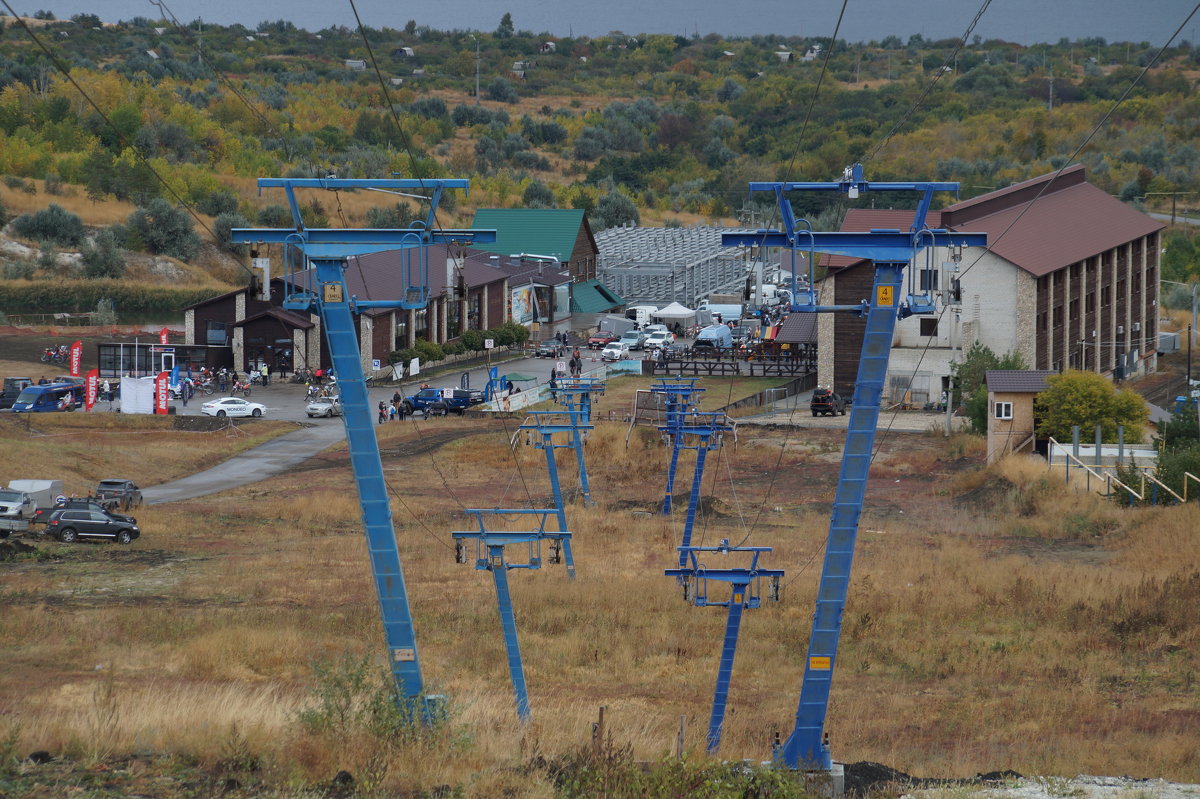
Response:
column 666, row 130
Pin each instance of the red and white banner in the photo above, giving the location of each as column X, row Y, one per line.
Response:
column 91, row 389
column 76, row 358
column 162, row 392
column 163, row 337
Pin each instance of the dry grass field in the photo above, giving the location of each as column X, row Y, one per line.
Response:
column 997, row 619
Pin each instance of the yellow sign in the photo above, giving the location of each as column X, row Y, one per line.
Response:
column 883, row 296
column 332, row 292
column 820, row 663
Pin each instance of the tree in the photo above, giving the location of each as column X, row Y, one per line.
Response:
column 505, row 30
column 969, row 380
column 163, row 228
column 1088, row 399
column 615, row 209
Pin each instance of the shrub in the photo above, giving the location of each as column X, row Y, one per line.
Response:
column 428, row 351
column 4, row 218
column 53, row 225
column 103, row 258
column 18, row 270
column 502, row 91
column 472, row 340
column 538, row 195
column 394, row 217
column 164, row 229
column 275, row 216
column 224, row 224
column 53, row 183
column 221, row 201
column 454, row 348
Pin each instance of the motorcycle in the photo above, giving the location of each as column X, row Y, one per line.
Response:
column 243, row 388
column 53, row 355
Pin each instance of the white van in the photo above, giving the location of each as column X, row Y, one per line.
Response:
column 641, row 314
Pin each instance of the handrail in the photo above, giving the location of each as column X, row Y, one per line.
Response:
column 1107, row 478
column 1188, row 476
column 1147, row 476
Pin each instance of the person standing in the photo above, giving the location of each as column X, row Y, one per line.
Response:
column 383, row 414
column 266, row 373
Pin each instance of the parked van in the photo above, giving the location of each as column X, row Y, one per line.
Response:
column 641, row 314
column 50, row 397
column 716, row 336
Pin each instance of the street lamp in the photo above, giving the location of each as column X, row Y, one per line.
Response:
column 1192, row 331
column 476, row 67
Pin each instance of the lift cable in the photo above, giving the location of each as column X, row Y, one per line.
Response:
column 1070, row 160
column 61, row 67
column 929, row 87
column 406, row 141
column 229, row 84
column 420, row 520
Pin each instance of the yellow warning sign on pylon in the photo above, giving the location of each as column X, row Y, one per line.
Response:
column 884, row 296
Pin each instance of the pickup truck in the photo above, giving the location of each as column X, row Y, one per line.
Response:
column 124, row 493
column 434, row 401
column 16, row 509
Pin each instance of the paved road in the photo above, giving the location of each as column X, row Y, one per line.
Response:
column 286, row 401
column 275, row 456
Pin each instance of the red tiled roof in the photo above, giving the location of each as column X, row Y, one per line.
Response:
column 1068, row 220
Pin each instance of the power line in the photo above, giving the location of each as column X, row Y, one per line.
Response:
column 120, row 135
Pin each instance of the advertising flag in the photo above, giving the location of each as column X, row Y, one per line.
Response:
column 163, row 338
column 161, row 392
column 76, row 358
column 91, row 389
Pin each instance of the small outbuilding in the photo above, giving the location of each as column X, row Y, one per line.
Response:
column 1011, row 423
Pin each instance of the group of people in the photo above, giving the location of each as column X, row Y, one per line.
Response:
column 390, row 412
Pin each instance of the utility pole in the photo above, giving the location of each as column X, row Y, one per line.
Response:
column 1051, row 105
column 476, row 69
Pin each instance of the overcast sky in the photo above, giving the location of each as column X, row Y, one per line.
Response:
column 1024, row 21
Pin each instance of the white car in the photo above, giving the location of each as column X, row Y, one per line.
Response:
column 660, row 338
column 324, row 406
column 614, row 351
column 233, row 406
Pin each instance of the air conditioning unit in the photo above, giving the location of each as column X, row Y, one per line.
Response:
column 1137, row 326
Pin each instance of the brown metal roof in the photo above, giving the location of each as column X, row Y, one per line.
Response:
column 798, row 328
column 1019, row 381
column 1040, row 225
column 288, row 318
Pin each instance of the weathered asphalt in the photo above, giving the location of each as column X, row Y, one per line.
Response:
column 287, row 401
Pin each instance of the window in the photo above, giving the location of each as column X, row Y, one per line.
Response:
column 216, row 333
column 929, row 326
column 929, row 279
column 1003, row 410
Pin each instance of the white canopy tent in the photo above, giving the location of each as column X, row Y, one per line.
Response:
column 675, row 313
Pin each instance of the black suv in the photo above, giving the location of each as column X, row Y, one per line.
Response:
column 825, row 401
column 69, row 524
column 42, row 515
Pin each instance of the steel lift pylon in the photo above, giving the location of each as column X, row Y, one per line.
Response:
column 744, row 592
column 545, row 424
column 576, row 394
column 677, row 396
column 490, row 556
column 891, row 251
column 322, row 290
column 707, row 431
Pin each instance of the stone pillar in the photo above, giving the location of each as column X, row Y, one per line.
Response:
column 189, row 327
column 239, row 338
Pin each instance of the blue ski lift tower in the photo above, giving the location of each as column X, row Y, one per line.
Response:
column 891, row 251
column 322, row 290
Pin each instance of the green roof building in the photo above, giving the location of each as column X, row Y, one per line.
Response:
column 558, row 233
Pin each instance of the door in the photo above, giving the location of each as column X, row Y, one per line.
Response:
column 168, row 361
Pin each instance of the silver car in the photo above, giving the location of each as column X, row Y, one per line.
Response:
column 327, row 407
